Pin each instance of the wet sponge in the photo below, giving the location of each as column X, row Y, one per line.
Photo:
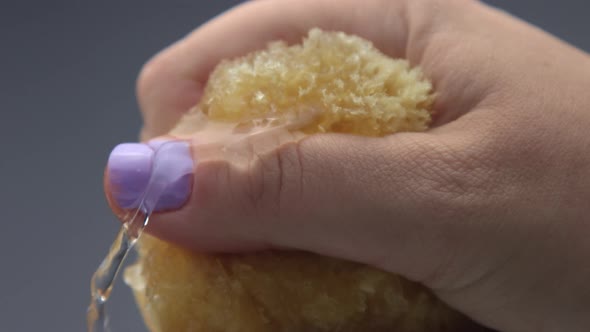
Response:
column 350, row 87
column 355, row 88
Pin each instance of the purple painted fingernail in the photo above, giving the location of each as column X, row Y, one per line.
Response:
column 171, row 180
column 160, row 174
column 129, row 167
column 155, row 144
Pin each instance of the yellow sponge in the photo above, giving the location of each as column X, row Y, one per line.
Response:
column 355, row 88
column 350, row 87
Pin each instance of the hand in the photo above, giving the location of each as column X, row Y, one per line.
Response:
column 489, row 208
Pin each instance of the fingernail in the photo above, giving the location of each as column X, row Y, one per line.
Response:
column 155, row 144
column 159, row 174
column 129, row 169
column 171, row 180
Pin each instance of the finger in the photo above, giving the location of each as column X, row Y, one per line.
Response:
column 334, row 195
column 171, row 82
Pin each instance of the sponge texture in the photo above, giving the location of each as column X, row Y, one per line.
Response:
column 354, row 88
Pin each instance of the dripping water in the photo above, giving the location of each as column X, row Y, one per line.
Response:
column 104, row 278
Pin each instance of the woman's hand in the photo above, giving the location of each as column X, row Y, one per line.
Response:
column 489, row 208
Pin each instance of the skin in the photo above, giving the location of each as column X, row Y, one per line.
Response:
column 489, row 208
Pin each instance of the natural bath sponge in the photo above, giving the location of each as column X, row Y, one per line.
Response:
column 349, row 87
column 354, row 88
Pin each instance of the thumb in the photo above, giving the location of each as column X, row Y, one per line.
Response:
column 388, row 202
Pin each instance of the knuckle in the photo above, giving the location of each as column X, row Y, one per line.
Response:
column 212, row 180
column 261, row 185
column 254, row 193
column 274, row 181
column 226, row 190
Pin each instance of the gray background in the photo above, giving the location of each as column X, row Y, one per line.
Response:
column 67, row 74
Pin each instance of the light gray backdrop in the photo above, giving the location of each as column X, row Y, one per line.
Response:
column 67, row 73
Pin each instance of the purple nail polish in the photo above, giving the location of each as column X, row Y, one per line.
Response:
column 155, row 144
column 171, row 180
column 129, row 169
column 159, row 175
